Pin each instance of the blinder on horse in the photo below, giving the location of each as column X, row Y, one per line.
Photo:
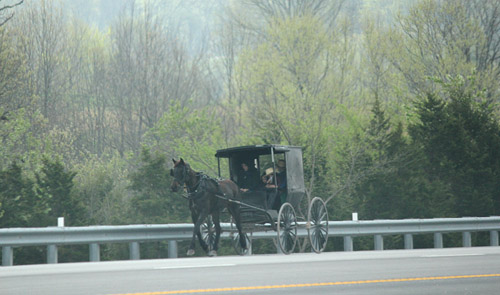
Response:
column 179, row 173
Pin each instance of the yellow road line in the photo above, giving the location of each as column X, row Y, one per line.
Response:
column 312, row 285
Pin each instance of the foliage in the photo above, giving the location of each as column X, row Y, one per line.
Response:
column 102, row 185
column 190, row 133
column 460, row 137
column 56, row 183
column 153, row 201
column 379, row 175
column 90, row 117
column 21, row 205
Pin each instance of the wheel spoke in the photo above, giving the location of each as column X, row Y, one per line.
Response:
column 287, row 228
column 208, row 233
column 318, row 220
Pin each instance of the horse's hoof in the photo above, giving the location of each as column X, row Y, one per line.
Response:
column 212, row 253
column 190, row 252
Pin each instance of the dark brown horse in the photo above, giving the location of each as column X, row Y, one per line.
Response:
column 207, row 196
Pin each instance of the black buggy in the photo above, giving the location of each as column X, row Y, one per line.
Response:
column 271, row 203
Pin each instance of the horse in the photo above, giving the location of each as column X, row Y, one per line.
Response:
column 207, row 196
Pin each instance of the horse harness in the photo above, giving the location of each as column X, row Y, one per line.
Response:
column 202, row 186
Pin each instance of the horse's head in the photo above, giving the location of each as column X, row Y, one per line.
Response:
column 179, row 173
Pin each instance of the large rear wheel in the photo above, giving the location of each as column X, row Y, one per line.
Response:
column 287, row 228
column 317, row 225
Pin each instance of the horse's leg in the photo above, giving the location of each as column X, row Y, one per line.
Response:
column 194, row 217
column 235, row 212
column 203, row 244
column 216, row 220
column 196, row 232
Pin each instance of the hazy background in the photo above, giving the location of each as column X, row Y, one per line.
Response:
column 395, row 104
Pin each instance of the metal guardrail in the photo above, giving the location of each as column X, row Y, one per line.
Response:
column 135, row 234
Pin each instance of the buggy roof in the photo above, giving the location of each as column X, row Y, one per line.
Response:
column 254, row 149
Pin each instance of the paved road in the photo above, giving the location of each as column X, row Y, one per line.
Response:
column 432, row 271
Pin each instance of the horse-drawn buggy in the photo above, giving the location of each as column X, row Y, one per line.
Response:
column 263, row 193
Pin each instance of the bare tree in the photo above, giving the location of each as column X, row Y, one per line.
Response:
column 448, row 38
column 5, row 11
column 12, row 96
column 40, row 30
column 151, row 69
column 255, row 15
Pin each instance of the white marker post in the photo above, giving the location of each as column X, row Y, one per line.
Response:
column 355, row 216
column 60, row 222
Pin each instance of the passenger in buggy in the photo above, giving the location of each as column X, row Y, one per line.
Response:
column 270, row 189
column 278, row 188
column 248, row 178
column 267, row 177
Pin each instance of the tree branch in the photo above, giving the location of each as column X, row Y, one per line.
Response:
column 6, row 7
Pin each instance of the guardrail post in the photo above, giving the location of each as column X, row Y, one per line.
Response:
column 378, row 242
column 52, row 254
column 408, row 241
column 172, row 249
column 94, row 252
column 493, row 238
column 466, row 239
column 135, row 253
column 348, row 243
column 438, row 240
column 8, row 256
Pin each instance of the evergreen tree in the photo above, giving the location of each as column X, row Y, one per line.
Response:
column 153, row 202
column 395, row 185
column 55, row 182
column 20, row 206
column 460, row 138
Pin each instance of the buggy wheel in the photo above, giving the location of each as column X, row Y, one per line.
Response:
column 287, row 228
column 317, row 225
column 235, row 240
column 208, row 232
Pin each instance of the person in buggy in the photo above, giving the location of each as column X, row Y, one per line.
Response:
column 248, row 178
column 276, row 190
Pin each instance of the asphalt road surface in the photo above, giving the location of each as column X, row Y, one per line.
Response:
column 432, row 271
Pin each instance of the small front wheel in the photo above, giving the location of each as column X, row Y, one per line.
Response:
column 235, row 239
column 287, row 228
column 208, row 232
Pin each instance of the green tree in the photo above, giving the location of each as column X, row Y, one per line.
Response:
column 56, row 182
column 295, row 82
column 460, row 137
column 381, row 174
column 188, row 132
column 102, row 185
column 153, row 202
column 20, row 205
